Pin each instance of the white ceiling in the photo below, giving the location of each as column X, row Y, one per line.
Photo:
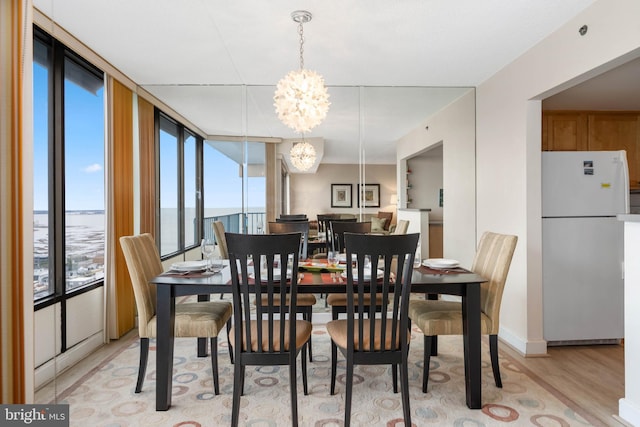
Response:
column 196, row 56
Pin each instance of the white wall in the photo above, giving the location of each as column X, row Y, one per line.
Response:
column 509, row 140
column 426, row 181
column 454, row 128
column 311, row 193
column 508, row 143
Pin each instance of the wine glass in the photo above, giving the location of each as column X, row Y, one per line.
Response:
column 332, row 258
column 207, row 247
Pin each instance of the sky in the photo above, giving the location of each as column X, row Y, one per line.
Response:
column 84, row 145
column 85, row 159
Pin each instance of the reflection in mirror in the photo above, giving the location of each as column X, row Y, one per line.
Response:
column 234, row 186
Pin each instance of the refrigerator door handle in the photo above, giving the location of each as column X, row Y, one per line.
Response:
column 625, row 176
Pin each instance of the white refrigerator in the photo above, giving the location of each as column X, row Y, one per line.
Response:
column 582, row 245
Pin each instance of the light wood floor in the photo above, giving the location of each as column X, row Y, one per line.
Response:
column 587, row 377
column 591, row 377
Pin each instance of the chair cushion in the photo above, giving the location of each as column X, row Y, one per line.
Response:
column 302, row 300
column 337, row 329
column 378, row 224
column 303, row 333
column 202, row 319
column 437, row 317
column 341, row 299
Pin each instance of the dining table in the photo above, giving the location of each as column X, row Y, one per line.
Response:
column 317, row 279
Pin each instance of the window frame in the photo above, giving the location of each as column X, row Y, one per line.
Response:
column 182, row 135
column 56, row 172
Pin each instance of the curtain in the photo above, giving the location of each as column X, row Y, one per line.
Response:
column 14, row 19
column 147, row 167
column 121, row 307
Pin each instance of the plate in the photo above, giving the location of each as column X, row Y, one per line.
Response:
column 367, row 274
column 276, row 274
column 342, row 257
column 440, row 263
column 189, row 266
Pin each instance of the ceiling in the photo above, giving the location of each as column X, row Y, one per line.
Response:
column 216, row 63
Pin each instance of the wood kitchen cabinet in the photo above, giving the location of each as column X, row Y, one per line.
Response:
column 595, row 131
column 618, row 132
column 565, row 131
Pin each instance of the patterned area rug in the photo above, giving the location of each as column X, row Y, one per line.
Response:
column 105, row 396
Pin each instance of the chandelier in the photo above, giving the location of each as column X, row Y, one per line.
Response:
column 302, row 155
column 301, row 99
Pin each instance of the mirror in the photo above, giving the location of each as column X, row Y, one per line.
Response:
column 362, row 127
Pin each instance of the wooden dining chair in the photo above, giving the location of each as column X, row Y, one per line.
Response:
column 281, row 227
column 324, row 226
column 278, row 339
column 292, row 217
column 305, row 302
column 338, row 302
column 198, row 319
column 371, row 340
column 439, row 317
column 338, row 228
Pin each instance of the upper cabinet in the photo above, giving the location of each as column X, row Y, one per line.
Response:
column 595, row 131
column 566, row 131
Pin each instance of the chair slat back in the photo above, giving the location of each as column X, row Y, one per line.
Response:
column 393, row 255
column 292, row 217
column 324, row 227
column 256, row 261
column 302, row 227
column 492, row 261
column 338, row 228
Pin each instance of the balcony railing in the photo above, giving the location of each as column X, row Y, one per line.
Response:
column 247, row 223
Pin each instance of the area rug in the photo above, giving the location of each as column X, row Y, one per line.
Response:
column 105, row 396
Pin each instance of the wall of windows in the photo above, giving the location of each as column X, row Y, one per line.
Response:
column 178, row 169
column 229, row 176
column 69, row 200
column 69, row 146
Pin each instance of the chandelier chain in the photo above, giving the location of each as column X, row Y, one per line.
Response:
column 301, row 32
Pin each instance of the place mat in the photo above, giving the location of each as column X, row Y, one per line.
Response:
column 189, row 274
column 428, row 270
column 302, row 279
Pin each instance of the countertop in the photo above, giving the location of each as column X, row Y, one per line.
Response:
column 628, row 217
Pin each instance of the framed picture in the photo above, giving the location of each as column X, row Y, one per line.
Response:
column 340, row 195
column 369, row 195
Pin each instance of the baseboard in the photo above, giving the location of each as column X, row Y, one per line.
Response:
column 629, row 412
column 48, row 370
column 526, row 348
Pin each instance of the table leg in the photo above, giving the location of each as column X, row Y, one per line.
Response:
column 472, row 351
column 165, row 312
column 202, row 342
column 434, row 339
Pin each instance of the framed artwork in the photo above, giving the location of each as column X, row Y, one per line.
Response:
column 340, row 195
column 369, row 195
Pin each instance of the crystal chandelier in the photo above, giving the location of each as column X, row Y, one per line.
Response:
column 301, row 99
column 302, row 155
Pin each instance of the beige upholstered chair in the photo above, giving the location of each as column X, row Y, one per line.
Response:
column 401, row 227
column 198, row 319
column 437, row 317
column 218, row 231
